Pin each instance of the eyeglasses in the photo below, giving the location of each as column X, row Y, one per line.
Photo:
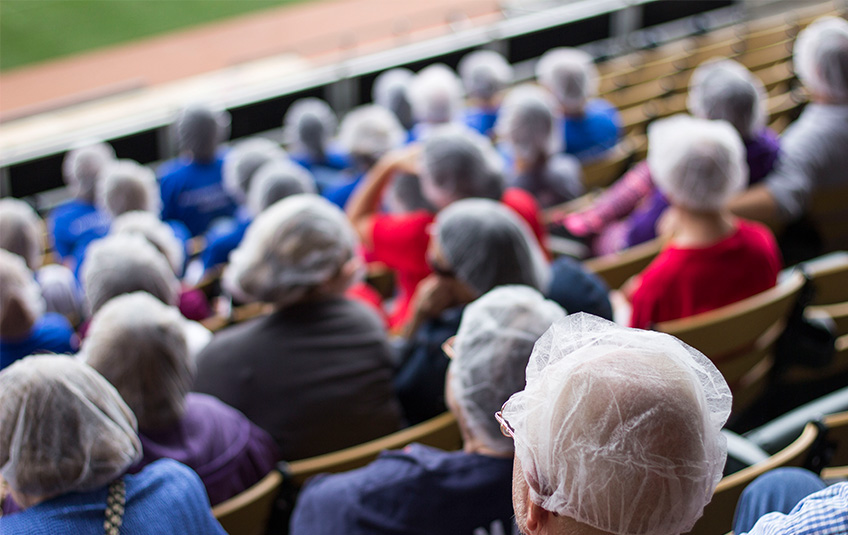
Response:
column 447, row 348
column 506, row 428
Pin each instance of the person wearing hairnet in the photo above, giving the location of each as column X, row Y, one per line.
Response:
column 813, row 155
column 316, row 373
column 453, row 163
column 25, row 327
column 617, row 431
column 712, row 258
column 21, row 231
column 426, row 490
column 590, row 126
column 191, row 186
column 308, row 126
column 485, row 74
column 527, row 126
column 390, row 91
column 435, row 94
column 76, row 222
column 66, row 441
column 126, row 186
column 138, row 344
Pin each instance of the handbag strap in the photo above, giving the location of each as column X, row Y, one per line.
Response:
column 115, row 503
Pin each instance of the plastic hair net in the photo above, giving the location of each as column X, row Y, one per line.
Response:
column 126, row 186
column 435, row 94
column 370, row 131
column 308, row 125
column 698, row 164
column 484, row 73
column 725, row 89
column 620, row 428
column 488, row 245
column 61, row 291
column 200, row 129
column 17, row 285
column 242, row 162
column 137, row 343
column 63, row 427
column 821, row 58
column 275, row 181
column 81, row 168
column 457, row 163
column 569, row 74
column 389, row 91
column 527, row 122
column 291, row 248
column 21, row 231
column 120, row 264
column 492, row 346
column 154, row 230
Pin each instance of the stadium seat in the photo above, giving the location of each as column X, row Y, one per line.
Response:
column 616, row 268
column 248, row 512
column 602, row 173
column 837, row 438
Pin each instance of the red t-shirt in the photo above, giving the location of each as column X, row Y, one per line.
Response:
column 400, row 241
column 683, row 282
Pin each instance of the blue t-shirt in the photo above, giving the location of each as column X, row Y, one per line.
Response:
column 597, row 131
column 52, row 333
column 339, row 195
column 417, row 490
column 73, row 225
column 166, row 498
column 327, row 173
column 222, row 240
column 481, row 120
column 193, row 193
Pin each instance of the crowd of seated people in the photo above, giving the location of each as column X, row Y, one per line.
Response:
column 442, row 181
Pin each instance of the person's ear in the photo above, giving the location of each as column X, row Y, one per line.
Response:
column 538, row 519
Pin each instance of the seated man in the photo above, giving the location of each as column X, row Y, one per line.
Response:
column 618, row 431
column 426, row 490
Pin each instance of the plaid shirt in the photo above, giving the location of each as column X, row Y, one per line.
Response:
column 822, row 513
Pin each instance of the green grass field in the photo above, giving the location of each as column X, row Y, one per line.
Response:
column 36, row 30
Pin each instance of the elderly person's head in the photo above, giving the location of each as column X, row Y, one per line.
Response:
column 697, row 164
column 821, row 59
column 390, row 92
column 275, row 181
column 491, row 350
column 21, row 303
column 435, row 94
column 484, row 74
column 527, row 123
column 484, row 244
column 155, row 231
column 308, row 126
column 243, row 160
column 570, row 74
column 62, row 292
column 81, row 168
column 617, row 431
column 21, row 231
column 125, row 263
column 125, row 186
column 138, row 344
column 200, row 129
column 300, row 248
column 368, row 132
column 726, row 90
column 63, row 428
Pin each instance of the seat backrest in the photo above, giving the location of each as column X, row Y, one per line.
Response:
column 718, row 514
column 616, row 268
column 837, row 434
column 602, row 173
column 830, row 278
column 248, row 512
column 440, row 432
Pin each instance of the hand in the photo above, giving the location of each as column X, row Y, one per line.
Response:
column 434, row 295
column 406, row 160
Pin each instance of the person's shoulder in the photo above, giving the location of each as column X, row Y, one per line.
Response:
column 599, row 107
column 56, row 323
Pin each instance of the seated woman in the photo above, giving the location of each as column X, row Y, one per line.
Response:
column 66, row 441
column 712, row 258
column 484, row 73
column 316, row 373
column 309, row 125
column 425, row 490
column 137, row 343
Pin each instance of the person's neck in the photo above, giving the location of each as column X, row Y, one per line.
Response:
column 698, row 229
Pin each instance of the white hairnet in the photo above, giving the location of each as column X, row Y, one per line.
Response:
column 154, row 230
column 724, row 89
column 570, row 74
column 290, row 249
column 21, row 231
column 18, row 286
column 698, row 164
column 435, row 94
column 125, row 186
column 308, row 125
column 527, row 122
column 61, row 291
column 457, row 163
column 200, row 129
column 82, row 165
column 119, row 264
column 619, row 428
column 489, row 245
column 242, row 162
column 370, row 131
column 821, row 58
column 492, row 346
column 389, row 91
column 63, row 427
column 484, row 73
column 137, row 343
column 277, row 180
